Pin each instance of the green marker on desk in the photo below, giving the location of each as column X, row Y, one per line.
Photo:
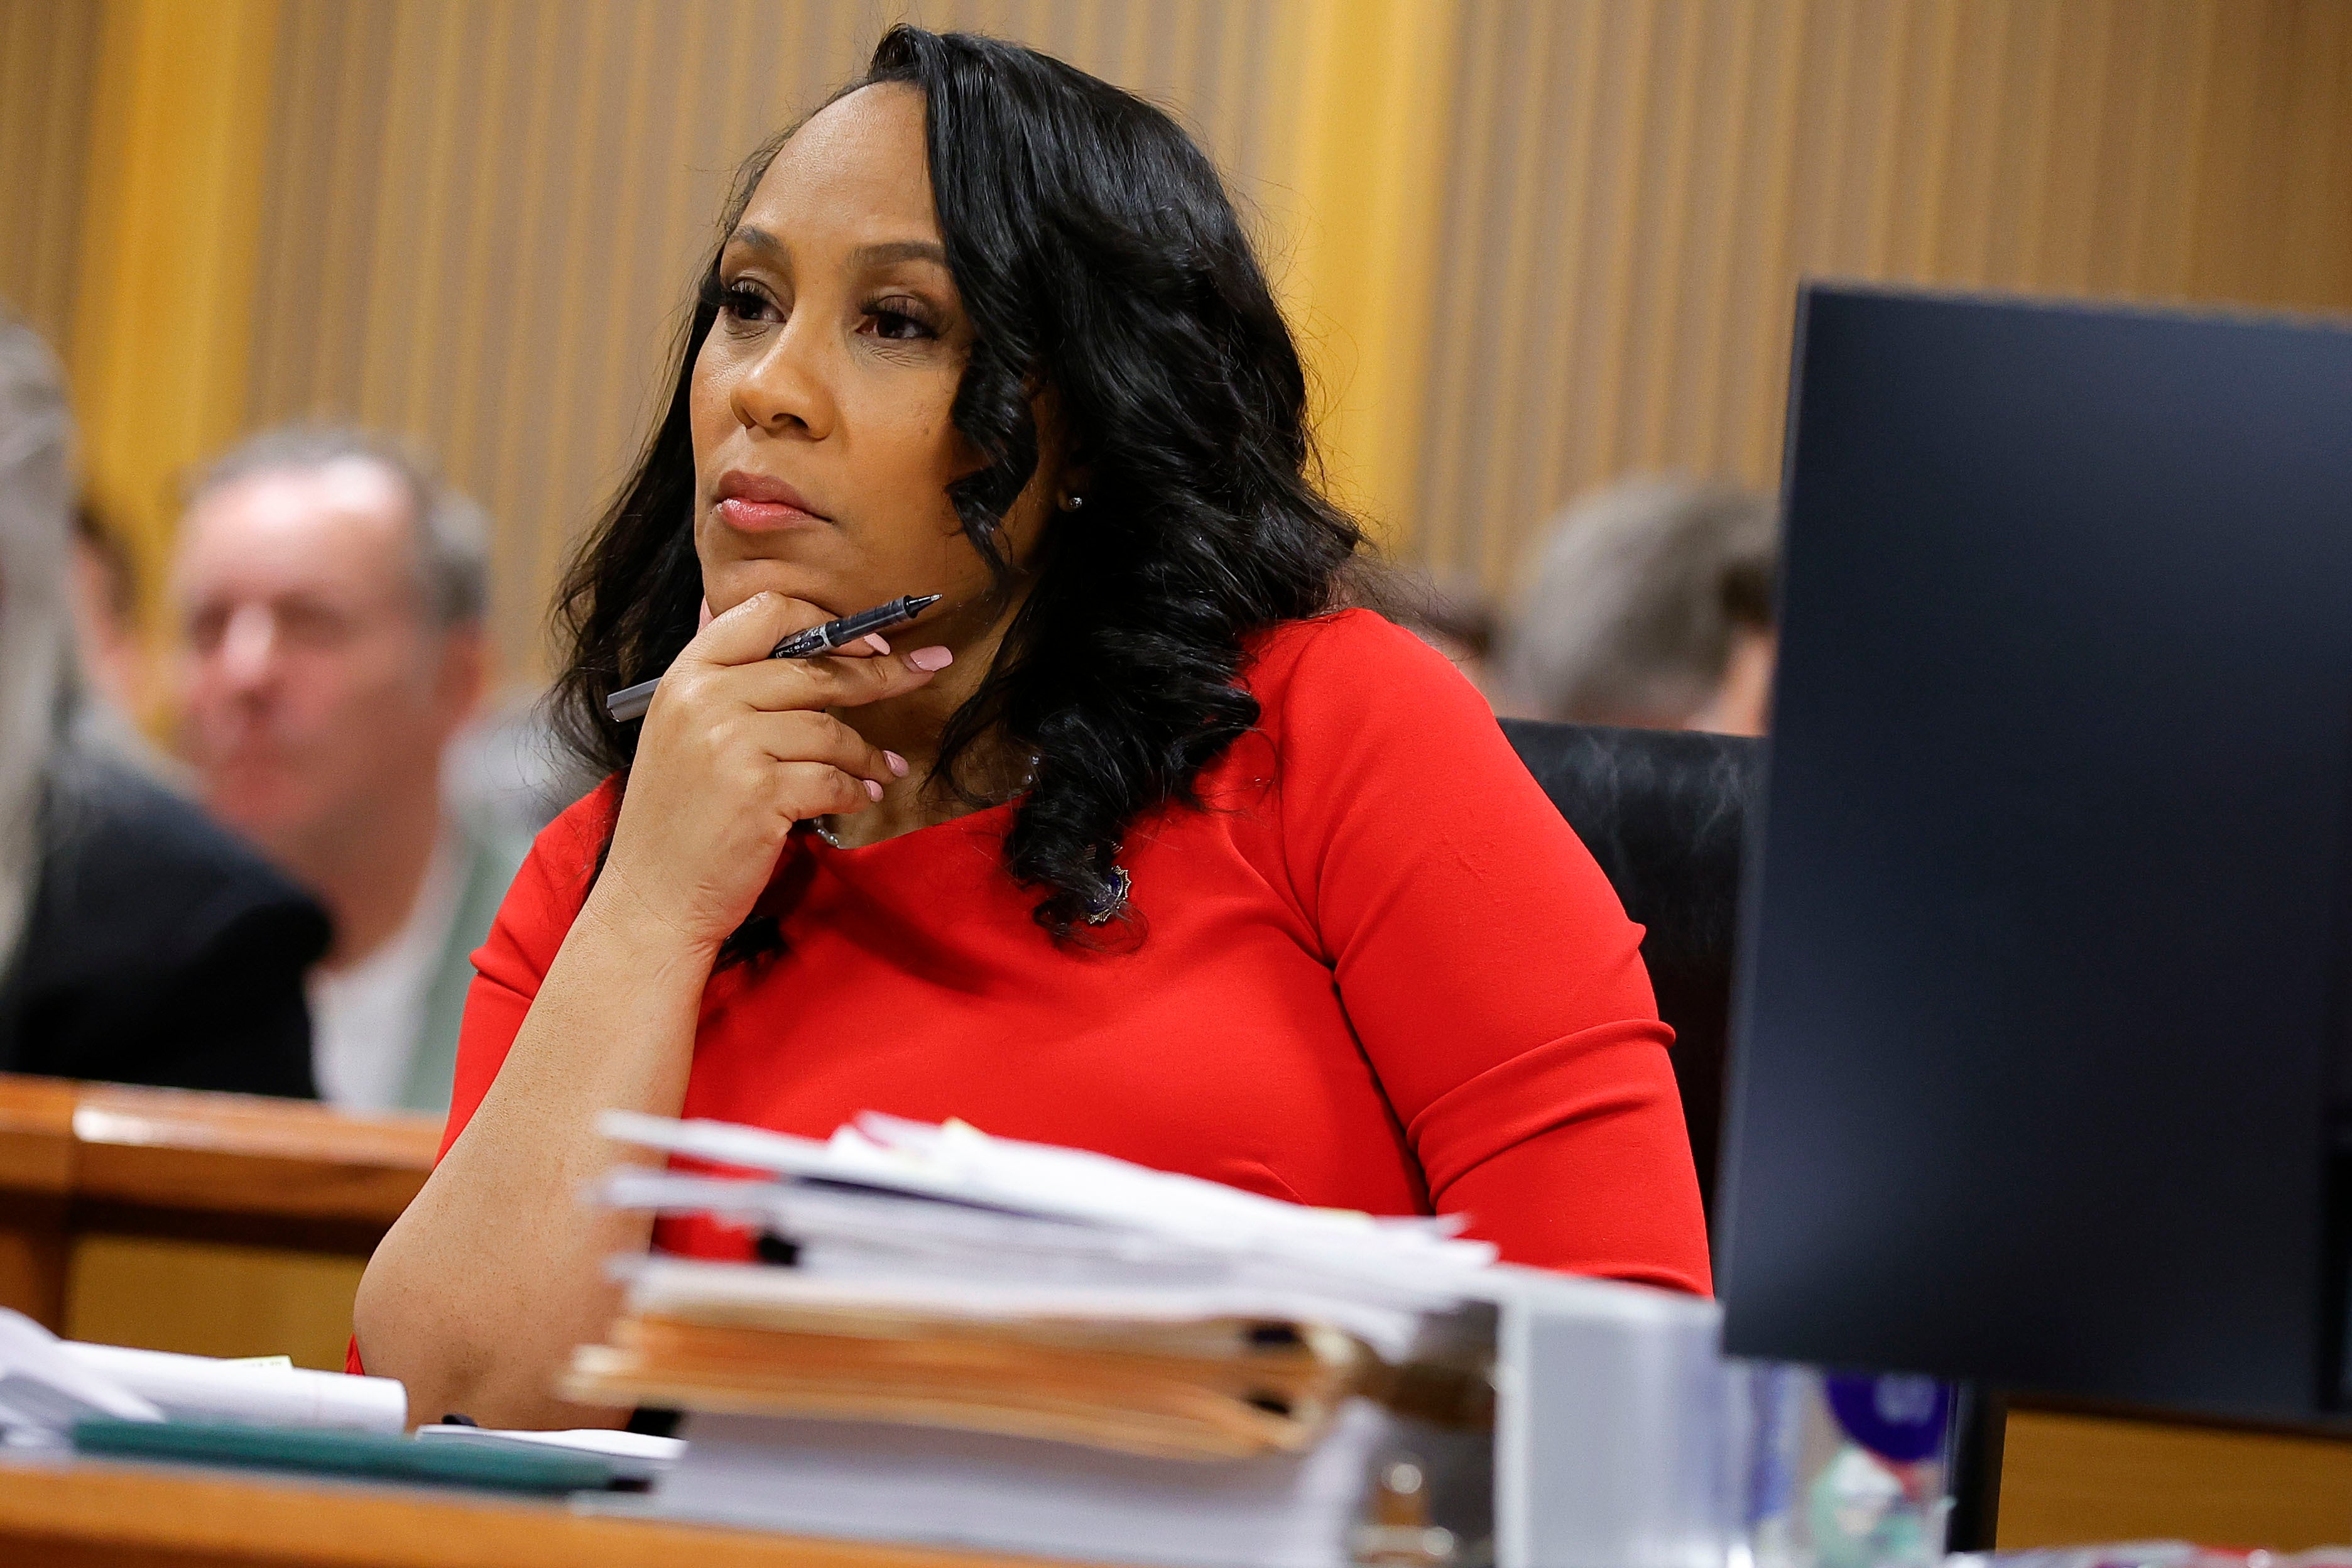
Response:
column 367, row 1455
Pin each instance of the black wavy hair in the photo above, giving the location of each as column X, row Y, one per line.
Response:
column 1097, row 257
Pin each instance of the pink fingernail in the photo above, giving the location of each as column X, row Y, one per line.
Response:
column 876, row 638
column 898, row 763
column 872, row 789
column 927, row 659
column 706, row 616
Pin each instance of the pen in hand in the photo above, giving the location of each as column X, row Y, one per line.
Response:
column 631, row 701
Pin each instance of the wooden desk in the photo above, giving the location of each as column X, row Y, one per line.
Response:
column 2070, row 1478
column 229, row 1226
column 81, row 1514
column 212, row 1223
column 2085, row 1481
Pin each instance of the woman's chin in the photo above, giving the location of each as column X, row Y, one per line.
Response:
column 730, row 585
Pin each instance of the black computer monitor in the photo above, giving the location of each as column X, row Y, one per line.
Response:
column 2039, row 1070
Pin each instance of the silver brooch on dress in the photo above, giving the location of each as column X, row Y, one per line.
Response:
column 1121, row 884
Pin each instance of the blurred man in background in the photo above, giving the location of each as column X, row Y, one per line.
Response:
column 331, row 594
column 137, row 942
column 1650, row 605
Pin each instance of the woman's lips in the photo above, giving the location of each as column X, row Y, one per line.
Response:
column 764, row 516
column 762, row 503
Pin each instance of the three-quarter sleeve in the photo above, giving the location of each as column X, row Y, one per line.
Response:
column 1485, row 964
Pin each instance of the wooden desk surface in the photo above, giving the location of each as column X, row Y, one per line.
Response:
column 2068, row 1478
column 220, row 1223
column 177, row 1151
column 79, row 1513
column 92, row 1172
column 80, row 1162
column 2123, row 1481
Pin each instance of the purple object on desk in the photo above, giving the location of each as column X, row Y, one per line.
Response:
column 1900, row 1419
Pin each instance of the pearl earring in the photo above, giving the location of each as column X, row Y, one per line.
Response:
column 1073, row 502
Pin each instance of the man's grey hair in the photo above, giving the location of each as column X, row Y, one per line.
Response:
column 1633, row 598
column 37, row 683
column 450, row 531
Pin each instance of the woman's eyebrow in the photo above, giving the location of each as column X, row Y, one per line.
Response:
column 759, row 239
column 900, row 250
column 877, row 254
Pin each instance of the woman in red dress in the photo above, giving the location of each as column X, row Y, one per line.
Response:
column 1135, row 842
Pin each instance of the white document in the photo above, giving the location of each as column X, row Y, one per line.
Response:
column 48, row 1384
column 879, row 1482
column 958, row 1164
column 660, row 1285
column 204, row 1388
column 43, row 1391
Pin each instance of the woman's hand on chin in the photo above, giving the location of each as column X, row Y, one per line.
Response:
column 736, row 749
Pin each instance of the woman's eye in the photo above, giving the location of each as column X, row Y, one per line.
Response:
column 740, row 302
column 897, row 326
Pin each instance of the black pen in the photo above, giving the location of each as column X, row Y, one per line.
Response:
column 631, row 701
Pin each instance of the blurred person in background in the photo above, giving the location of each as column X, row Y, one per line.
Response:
column 508, row 773
column 1452, row 615
column 114, row 665
column 1650, row 605
column 137, row 942
column 330, row 592
column 105, row 614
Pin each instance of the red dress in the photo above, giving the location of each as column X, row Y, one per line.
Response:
column 1378, row 972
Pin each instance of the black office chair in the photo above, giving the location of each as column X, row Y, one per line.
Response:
column 1666, row 812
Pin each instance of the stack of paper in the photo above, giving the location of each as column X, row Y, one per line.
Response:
column 1039, row 1367
column 1037, row 1350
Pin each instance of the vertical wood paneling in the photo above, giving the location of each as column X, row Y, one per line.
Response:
column 1720, row 151
column 484, row 220
column 1560, row 285
column 1462, row 302
column 162, row 346
column 1360, row 175
column 478, row 223
column 2318, row 228
column 1633, row 202
column 48, row 54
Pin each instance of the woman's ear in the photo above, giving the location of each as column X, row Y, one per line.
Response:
column 1060, row 461
column 1052, row 483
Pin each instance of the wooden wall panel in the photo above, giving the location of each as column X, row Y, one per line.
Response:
column 483, row 221
column 478, row 222
column 1634, row 187
column 48, row 57
column 209, row 1297
column 163, row 316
